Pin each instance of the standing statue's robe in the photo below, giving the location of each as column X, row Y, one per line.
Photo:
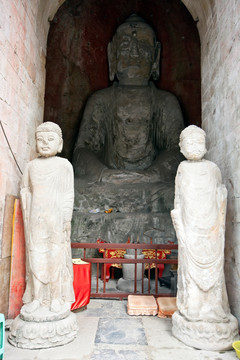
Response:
column 199, row 221
column 47, row 200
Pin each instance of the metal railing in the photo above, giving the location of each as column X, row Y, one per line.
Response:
column 104, row 261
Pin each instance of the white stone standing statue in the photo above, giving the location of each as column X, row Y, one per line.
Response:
column 47, row 195
column 203, row 319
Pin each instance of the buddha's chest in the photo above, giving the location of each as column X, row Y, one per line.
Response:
column 132, row 127
column 133, row 111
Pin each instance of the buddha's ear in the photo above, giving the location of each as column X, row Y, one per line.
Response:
column 156, row 63
column 60, row 146
column 112, row 60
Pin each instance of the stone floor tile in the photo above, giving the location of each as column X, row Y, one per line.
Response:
column 120, row 306
column 14, row 353
column 106, row 354
column 121, row 331
column 190, row 354
column 157, row 324
column 81, row 346
column 110, row 309
column 164, row 339
column 111, row 354
column 159, row 333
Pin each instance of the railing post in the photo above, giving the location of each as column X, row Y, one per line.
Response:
column 97, row 277
column 156, row 273
column 143, row 270
column 135, row 273
column 104, row 272
column 149, row 278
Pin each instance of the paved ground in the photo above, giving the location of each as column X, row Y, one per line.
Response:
column 108, row 333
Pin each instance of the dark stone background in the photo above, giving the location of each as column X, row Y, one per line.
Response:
column 77, row 57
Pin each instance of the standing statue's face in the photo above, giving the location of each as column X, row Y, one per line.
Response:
column 193, row 147
column 48, row 143
column 135, row 52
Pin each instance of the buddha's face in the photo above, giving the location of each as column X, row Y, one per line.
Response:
column 193, row 147
column 48, row 143
column 135, row 52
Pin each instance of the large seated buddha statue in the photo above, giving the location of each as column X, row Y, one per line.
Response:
column 127, row 154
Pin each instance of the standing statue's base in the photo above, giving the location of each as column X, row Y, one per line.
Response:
column 43, row 329
column 213, row 336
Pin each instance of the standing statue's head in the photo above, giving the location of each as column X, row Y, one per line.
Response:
column 49, row 140
column 134, row 53
column 193, row 142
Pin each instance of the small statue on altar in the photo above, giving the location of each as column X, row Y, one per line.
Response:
column 47, row 194
column 203, row 319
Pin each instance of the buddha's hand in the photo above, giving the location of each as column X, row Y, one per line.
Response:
column 114, row 176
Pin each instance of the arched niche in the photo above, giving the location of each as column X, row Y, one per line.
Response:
column 77, row 65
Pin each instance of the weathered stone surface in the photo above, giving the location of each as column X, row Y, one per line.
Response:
column 204, row 334
column 43, row 313
column 5, row 267
column 203, row 319
column 124, row 198
column 128, row 139
column 45, row 334
column 47, row 202
column 117, row 227
column 7, row 226
column 137, row 212
column 119, row 331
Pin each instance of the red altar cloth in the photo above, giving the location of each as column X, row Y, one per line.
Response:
column 81, row 283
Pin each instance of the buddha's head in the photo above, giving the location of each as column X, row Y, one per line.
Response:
column 48, row 139
column 134, row 53
column 193, row 143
